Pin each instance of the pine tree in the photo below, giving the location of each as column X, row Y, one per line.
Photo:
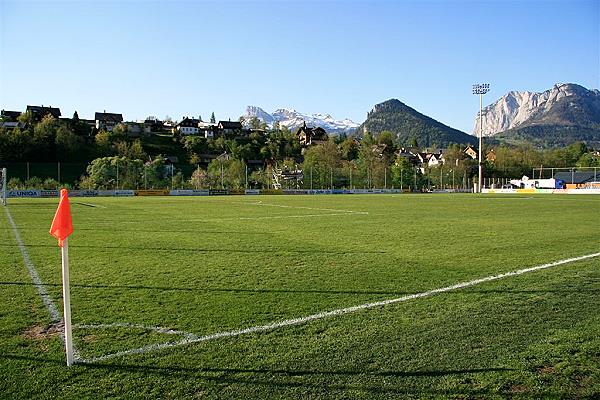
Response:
column 75, row 116
column 213, row 120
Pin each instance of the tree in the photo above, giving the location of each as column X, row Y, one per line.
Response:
column 44, row 137
column 26, row 118
column 119, row 131
column 157, row 173
column 260, row 179
column 588, row 160
column 213, row 120
column 103, row 143
column 371, row 167
column 68, row 144
column 255, row 123
column 349, row 149
column 321, row 161
column 114, row 172
column 402, row 172
column 227, row 173
column 200, row 179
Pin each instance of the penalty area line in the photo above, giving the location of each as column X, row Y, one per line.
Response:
column 330, row 314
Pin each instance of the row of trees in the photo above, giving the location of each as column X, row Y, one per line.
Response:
column 117, row 160
column 47, row 140
column 327, row 166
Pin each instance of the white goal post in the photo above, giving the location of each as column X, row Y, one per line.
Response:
column 3, row 187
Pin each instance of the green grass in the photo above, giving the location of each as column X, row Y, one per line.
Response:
column 212, row 264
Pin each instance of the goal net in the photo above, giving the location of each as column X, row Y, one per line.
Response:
column 3, row 187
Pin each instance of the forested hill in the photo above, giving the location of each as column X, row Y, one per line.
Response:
column 409, row 126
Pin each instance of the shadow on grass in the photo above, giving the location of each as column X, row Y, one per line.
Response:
column 201, row 250
column 208, row 290
column 286, row 378
column 317, row 291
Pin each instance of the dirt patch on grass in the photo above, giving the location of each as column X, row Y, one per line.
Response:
column 39, row 332
column 518, row 389
column 547, row 370
column 90, row 338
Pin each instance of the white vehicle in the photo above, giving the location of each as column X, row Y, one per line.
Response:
column 526, row 183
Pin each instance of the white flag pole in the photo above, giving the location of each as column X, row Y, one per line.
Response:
column 67, row 301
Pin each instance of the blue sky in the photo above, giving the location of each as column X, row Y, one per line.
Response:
column 180, row 58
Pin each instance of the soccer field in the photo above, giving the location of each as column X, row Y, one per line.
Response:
column 185, row 297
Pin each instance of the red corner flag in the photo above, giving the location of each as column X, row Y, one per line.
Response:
column 62, row 225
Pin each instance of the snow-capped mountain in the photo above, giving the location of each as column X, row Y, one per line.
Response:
column 565, row 105
column 293, row 119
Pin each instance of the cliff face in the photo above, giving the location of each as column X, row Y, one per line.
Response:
column 567, row 105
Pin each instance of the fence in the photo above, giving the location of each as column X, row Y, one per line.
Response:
column 545, row 173
column 61, row 172
column 414, row 179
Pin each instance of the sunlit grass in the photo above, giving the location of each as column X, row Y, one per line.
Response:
column 207, row 265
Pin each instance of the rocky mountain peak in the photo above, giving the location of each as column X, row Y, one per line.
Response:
column 563, row 104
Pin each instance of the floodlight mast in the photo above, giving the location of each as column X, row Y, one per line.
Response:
column 480, row 89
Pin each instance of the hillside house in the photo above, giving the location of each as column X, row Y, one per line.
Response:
column 187, row 126
column 311, row 135
column 134, row 129
column 39, row 112
column 10, row 119
column 435, row 159
column 107, row 121
column 153, row 126
column 207, row 130
column 409, row 154
column 471, row 152
column 229, row 127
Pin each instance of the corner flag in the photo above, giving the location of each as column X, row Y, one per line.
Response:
column 62, row 227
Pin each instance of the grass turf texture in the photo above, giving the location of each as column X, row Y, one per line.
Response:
column 206, row 265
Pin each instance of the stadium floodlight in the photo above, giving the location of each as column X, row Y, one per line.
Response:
column 3, row 187
column 480, row 89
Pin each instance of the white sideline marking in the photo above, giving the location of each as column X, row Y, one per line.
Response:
column 37, row 282
column 46, row 299
column 328, row 314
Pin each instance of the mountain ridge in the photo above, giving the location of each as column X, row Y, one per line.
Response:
column 293, row 119
column 409, row 124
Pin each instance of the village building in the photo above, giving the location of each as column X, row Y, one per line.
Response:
column 152, row 125
column 207, row 130
column 311, row 135
column 39, row 112
column 10, row 119
column 134, row 129
column 107, row 121
column 471, row 152
column 229, row 127
column 187, row 126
